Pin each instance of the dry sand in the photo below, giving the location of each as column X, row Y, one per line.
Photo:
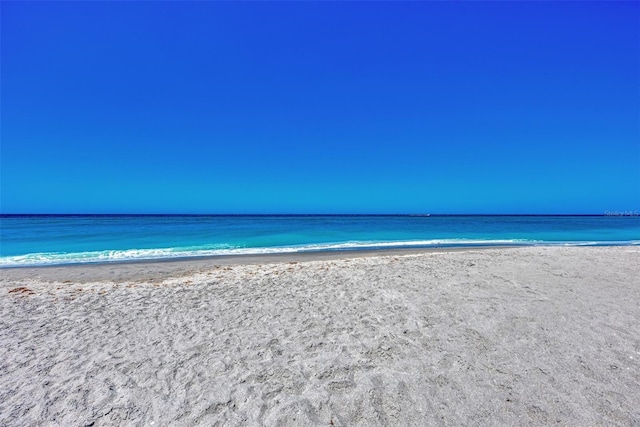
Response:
column 517, row 336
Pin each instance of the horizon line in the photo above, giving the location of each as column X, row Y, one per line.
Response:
column 605, row 213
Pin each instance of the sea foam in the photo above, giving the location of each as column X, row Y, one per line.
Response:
column 58, row 258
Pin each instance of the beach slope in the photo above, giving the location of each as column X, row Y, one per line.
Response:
column 517, row 336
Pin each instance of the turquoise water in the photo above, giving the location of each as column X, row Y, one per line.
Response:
column 29, row 240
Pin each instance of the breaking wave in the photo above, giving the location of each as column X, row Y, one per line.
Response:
column 61, row 258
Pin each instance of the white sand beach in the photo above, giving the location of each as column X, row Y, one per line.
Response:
column 503, row 336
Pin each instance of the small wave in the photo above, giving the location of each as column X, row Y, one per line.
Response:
column 62, row 258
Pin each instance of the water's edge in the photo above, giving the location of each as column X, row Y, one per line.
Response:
column 175, row 254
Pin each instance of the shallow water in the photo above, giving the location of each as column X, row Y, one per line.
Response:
column 60, row 239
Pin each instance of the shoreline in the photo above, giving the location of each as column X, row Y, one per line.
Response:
column 128, row 269
column 126, row 256
column 166, row 267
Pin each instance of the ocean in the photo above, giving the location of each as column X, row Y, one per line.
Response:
column 37, row 240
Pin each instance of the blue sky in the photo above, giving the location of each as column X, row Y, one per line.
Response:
column 334, row 107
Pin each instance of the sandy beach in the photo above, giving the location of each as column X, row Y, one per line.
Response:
column 504, row 336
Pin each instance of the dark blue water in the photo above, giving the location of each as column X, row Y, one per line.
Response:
column 59, row 239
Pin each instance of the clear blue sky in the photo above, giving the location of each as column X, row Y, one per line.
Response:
column 335, row 107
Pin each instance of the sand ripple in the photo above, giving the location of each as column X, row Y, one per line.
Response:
column 525, row 336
